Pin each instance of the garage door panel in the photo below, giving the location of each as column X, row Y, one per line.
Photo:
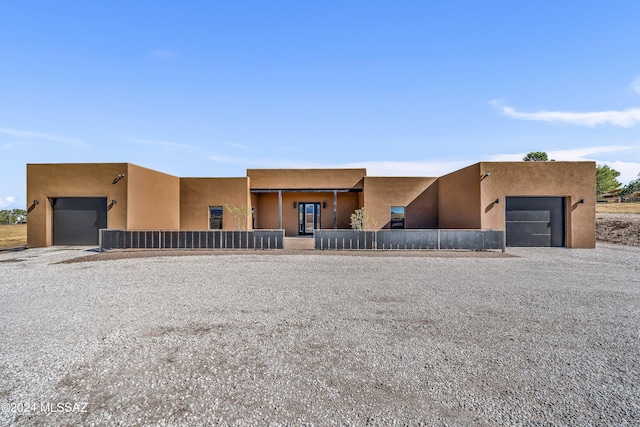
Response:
column 74, row 227
column 557, row 227
column 528, row 234
column 535, row 221
column 542, row 216
column 77, row 220
column 529, row 227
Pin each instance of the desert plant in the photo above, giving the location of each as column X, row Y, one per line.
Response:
column 361, row 220
column 239, row 214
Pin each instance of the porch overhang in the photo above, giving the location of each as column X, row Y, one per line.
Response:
column 306, row 190
column 335, row 192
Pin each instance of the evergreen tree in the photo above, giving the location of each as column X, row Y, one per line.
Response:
column 606, row 179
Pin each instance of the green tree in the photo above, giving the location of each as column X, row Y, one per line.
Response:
column 537, row 156
column 12, row 216
column 19, row 215
column 632, row 187
column 606, row 179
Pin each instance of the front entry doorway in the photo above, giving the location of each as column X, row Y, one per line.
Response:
column 308, row 218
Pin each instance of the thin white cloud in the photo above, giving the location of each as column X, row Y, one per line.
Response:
column 374, row 168
column 575, row 154
column 233, row 144
column 626, row 118
column 266, row 163
column 10, row 145
column 162, row 54
column 158, row 143
column 230, row 160
column 628, row 170
column 391, row 168
column 38, row 136
column 5, row 202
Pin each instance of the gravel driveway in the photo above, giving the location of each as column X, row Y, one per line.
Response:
column 545, row 337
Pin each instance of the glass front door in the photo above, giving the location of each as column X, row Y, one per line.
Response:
column 308, row 217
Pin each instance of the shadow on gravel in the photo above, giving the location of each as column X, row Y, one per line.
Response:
column 128, row 254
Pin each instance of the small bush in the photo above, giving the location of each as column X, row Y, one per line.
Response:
column 361, row 220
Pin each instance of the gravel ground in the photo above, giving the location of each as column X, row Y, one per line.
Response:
column 544, row 337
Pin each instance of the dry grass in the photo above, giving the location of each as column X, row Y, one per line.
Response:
column 630, row 208
column 12, row 236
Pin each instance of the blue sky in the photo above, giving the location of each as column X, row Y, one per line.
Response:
column 212, row 88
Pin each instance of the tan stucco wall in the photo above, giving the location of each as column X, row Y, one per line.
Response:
column 46, row 181
column 347, row 204
column 197, row 194
column 305, row 178
column 256, row 214
column 154, row 200
column 267, row 210
column 459, row 198
column 573, row 180
column 416, row 194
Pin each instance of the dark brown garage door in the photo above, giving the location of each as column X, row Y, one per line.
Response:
column 535, row 221
column 76, row 220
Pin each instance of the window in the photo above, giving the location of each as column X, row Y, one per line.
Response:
column 397, row 216
column 215, row 217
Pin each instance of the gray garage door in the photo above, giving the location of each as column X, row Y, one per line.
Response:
column 535, row 221
column 76, row 220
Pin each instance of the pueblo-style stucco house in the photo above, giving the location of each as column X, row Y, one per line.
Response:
column 536, row 203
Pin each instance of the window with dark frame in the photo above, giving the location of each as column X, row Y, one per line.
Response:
column 215, row 217
column 397, row 217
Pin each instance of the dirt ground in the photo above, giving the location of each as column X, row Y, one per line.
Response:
column 618, row 228
column 12, row 236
